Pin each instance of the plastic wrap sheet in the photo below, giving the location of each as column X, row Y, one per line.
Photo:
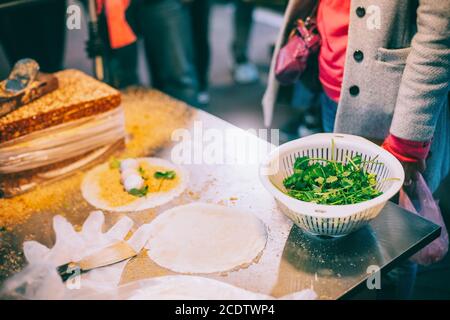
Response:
column 62, row 142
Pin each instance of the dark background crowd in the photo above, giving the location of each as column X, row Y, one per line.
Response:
column 204, row 52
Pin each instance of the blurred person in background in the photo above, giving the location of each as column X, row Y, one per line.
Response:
column 35, row 31
column 305, row 100
column 244, row 71
column 199, row 11
column 4, row 64
column 116, row 41
column 167, row 33
column 164, row 26
column 385, row 72
column 307, row 118
column 395, row 86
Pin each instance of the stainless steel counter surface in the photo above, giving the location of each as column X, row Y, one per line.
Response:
column 292, row 260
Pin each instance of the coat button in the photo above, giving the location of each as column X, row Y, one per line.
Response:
column 354, row 90
column 360, row 12
column 358, row 55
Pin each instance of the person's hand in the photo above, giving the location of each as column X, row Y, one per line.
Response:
column 411, row 168
column 411, row 154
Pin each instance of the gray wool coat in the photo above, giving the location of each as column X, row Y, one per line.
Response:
column 403, row 77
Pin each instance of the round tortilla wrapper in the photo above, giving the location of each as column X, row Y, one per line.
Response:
column 90, row 188
column 205, row 238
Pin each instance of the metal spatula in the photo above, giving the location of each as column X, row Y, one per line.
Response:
column 24, row 85
column 115, row 253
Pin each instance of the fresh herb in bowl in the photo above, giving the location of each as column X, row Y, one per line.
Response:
column 164, row 175
column 330, row 182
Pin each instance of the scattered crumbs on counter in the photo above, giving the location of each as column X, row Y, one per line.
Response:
column 17, row 210
column 145, row 112
column 12, row 260
column 143, row 217
column 193, row 195
column 142, row 267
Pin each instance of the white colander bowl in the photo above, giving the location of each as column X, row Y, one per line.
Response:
column 331, row 220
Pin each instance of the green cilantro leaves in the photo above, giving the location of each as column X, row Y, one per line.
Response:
column 168, row 175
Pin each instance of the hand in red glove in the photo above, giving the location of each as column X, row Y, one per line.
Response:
column 412, row 155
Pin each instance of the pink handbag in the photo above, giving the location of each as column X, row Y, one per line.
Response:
column 418, row 199
column 293, row 56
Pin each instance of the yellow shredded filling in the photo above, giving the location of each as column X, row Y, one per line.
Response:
column 111, row 189
column 158, row 185
column 114, row 194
